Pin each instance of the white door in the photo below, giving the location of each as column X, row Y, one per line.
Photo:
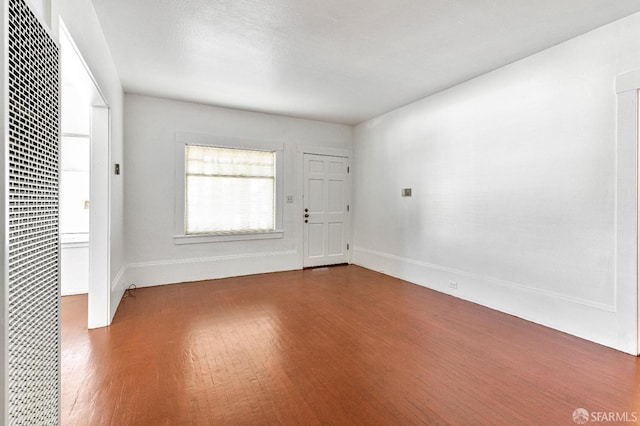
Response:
column 326, row 210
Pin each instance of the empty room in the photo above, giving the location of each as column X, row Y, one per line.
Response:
column 292, row 212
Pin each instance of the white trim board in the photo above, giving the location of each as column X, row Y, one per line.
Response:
column 118, row 286
column 323, row 150
column 545, row 308
column 149, row 274
column 99, row 304
column 626, row 213
column 478, row 277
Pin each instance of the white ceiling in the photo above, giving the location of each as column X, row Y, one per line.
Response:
column 342, row 61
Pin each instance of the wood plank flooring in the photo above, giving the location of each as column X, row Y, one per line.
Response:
column 339, row 346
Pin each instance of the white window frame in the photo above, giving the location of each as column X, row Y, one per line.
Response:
column 184, row 139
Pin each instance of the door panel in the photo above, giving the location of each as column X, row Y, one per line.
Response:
column 337, row 168
column 315, row 241
column 316, row 195
column 336, row 239
column 326, row 193
column 336, row 196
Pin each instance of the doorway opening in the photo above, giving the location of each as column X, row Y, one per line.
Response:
column 84, row 185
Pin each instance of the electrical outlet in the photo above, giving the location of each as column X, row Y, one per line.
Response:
column 453, row 284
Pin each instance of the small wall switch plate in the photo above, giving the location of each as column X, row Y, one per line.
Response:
column 289, row 199
column 406, row 192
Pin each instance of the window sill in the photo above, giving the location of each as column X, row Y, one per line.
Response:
column 216, row 238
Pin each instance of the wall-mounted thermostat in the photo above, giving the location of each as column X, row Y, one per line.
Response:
column 406, row 192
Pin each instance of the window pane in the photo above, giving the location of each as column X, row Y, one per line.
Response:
column 74, row 185
column 229, row 190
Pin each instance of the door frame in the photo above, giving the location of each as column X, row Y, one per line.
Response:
column 99, row 297
column 298, row 205
column 99, row 288
column 627, row 217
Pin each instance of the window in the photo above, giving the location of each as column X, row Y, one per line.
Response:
column 229, row 190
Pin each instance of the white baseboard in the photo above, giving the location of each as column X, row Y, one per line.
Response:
column 148, row 274
column 73, row 293
column 117, row 290
column 589, row 320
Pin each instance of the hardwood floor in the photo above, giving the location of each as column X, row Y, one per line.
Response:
column 340, row 345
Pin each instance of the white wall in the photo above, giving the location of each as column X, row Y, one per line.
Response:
column 74, row 270
column 514, row 188
column 150, row 128
column 83, row 25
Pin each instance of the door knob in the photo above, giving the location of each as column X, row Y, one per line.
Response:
column 306, row 215
column 306, row 210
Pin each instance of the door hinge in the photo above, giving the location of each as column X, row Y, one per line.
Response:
column 347, row 169
column 347, row 246
column 347, row 207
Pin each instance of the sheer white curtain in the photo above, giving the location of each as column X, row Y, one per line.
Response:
column 229, row 190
